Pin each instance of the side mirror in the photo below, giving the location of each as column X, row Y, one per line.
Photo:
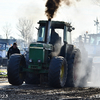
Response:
column 37, row 28
column 73, row 28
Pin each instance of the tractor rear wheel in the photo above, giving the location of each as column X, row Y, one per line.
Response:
column 14, row 70
column 74, row 62
column 57, row 72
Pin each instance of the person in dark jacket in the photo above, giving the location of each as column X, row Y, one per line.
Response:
column 54, row 37
column 12, row 50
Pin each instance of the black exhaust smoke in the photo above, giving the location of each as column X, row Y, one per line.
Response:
column 51, row 9
column 53, row 5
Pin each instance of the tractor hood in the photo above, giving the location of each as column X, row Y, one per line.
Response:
column 37, row 52
column 41, row 46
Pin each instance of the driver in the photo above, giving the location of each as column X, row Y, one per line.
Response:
column 54, row 37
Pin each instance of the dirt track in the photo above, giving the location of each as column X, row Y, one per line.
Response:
column 36, row 92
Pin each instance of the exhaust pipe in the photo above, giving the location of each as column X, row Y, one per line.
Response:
column 47, row 32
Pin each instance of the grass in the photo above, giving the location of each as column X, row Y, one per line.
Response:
column 4, row 73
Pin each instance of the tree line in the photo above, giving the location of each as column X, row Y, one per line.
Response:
column 24, row 26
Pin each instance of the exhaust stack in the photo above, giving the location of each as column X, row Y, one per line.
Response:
column 47, row 33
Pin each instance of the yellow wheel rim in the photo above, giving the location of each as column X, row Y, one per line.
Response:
column 62, row 72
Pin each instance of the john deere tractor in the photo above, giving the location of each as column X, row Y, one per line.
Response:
column 52, row 59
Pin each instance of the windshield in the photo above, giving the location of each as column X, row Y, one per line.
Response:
column 2, row 46
column 95, row 40
column 41, row 34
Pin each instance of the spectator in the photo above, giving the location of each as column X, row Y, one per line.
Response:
column 12, row 50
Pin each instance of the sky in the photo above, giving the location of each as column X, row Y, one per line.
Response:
column 80, row 14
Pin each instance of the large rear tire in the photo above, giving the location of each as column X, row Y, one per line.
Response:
column 57, row 72
column 74, row 62
column 14, row 70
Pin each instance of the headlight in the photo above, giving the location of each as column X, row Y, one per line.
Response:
column 30, row 60
column 39, row 61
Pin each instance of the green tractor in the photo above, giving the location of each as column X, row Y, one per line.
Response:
column 52, row 59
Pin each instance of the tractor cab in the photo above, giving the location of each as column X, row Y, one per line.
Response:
column 62, row 30
column 94, row 43
column 91, row 43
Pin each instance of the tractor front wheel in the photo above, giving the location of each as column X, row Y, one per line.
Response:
column 74, row 63
column 57, row 72
column 14, row 70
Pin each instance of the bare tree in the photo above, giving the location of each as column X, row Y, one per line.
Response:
column 7, row 29
column 25, row 26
